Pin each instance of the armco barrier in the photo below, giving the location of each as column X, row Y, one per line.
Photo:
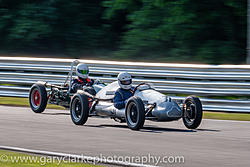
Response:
column 17, row 74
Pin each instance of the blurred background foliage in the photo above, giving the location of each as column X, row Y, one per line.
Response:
column 211, row 31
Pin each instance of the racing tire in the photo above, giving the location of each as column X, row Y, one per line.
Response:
column 135, row 113
column 192, row 112
column 38, row 98
column 79, row 109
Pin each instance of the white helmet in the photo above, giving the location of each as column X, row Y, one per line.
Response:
column 82, row 71
column 125, row 80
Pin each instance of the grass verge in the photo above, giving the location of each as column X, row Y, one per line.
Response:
column 15, row 159
column 24, row 102
column 226, row 116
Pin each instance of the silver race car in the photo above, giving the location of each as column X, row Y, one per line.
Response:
column 145, row 104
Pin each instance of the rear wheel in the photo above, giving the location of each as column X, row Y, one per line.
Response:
column 38, row 98
column 135, row 113
column 192, row 112
column 79, row 109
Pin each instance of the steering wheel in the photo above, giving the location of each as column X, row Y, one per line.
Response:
column 143, row 83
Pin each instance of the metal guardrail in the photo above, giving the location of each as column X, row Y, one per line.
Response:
column 17, row 74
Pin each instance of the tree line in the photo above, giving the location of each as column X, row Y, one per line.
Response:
column 211, row 31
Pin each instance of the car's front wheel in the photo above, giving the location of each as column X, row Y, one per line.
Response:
column 79, row 109
column 192, row 112
column 135, row 113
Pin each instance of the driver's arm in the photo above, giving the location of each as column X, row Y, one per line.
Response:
column 75, row 86
column 119, row 103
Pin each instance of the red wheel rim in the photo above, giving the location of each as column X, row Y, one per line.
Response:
column 36, row 98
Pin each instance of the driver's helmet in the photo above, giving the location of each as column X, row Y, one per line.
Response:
column 82, row 71
column 125, row 80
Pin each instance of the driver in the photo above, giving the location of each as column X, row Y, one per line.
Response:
column 125, row 91
column 82, row 79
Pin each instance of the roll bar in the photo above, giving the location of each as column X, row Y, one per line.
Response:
column 74, row 63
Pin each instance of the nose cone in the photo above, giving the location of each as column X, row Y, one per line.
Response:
column 167, row 111
column 172, row 109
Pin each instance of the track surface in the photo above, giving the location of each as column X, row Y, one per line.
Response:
column 215, row 143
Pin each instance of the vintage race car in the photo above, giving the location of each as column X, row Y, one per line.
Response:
column 97, row 100
column 145, row 104
column 42, row 92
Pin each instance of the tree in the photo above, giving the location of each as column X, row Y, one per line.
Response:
column 52, row 25
column 210, row 31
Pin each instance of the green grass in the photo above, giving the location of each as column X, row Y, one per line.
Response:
column 13, row 159
column 227, row 116
column 7, row 84
column 24, row 102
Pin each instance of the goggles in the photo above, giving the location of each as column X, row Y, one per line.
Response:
column 83, row 71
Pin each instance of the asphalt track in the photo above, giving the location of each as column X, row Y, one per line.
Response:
column 215, row 143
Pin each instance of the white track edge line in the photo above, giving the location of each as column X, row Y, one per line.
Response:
column 89, row 158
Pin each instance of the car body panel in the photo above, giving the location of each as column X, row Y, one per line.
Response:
column 164, row 110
